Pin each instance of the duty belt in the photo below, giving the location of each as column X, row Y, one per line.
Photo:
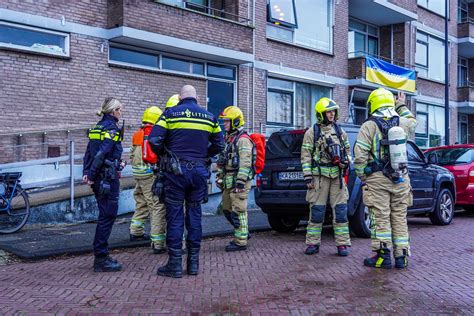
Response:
column 189, row 165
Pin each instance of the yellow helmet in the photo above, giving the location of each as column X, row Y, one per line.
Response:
column 380, row 98
column 151, row 115
column 234, row 114
column 172, row 101
column 324, row 105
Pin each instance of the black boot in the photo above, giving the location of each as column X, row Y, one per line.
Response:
column 401, row 262
column 381, row 260
column 232, row 246
column 192, row 261
column 173, row 268
column 106, row 264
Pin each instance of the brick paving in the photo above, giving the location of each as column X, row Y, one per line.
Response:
column 272, row 277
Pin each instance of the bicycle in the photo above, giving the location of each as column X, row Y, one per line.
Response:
column 14, row 203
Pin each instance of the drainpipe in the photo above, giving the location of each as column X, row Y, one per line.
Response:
column 446, row 74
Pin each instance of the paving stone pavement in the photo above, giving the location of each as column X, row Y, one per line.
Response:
column 273, row 277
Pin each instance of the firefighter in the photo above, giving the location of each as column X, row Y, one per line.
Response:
column 102, row 163
column 147, row 204
column 325, row 156
column 187, row 136
column 172, row 101
column 387, row 191
column 235, row 174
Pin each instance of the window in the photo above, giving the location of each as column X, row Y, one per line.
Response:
column 220, row 71
column 363, row 38
column 358, row 112
column 313, row 28
column 291, row 104
column 120, row 54
column 463, row 128
column 282, row 12
column 133, row 57
column 430, row 131
column 429, row 57
column 454, row 156
column 180, row 65
column 437, row 6
column 33, row 39
column 463, row 11
column 413, row 155
column 462, row 72
column 219, row 8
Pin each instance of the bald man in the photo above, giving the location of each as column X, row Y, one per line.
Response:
column 191, row 136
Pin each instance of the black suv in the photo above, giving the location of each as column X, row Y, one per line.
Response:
column 281, row 190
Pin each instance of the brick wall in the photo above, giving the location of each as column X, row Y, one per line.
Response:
column 171, row 21
column 44, row 93
column 89, row 12
column 409, row 5
column 436, row 21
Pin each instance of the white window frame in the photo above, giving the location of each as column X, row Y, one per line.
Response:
column 427, row 7
column 427, row 44
column 464, row 7
column 466, row 67
column 427, row 113
column 33, row 50
column 366, row 36
column 291, row 31
column 293, row 92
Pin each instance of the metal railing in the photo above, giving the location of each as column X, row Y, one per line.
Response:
column 209, row 10
column 398, row 62
column 40, row 178
column 466, row 20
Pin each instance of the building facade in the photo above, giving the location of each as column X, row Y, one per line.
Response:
column 272, row 58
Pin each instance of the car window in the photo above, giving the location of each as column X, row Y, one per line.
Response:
column 413, row 154
column 454, row 156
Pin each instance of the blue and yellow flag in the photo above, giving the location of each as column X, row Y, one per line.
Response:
column 389, row 75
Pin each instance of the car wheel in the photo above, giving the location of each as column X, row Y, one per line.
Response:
column 283, row 224
column 444, row 210
column 360, row 221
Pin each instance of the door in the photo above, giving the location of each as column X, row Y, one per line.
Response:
column 220, row 94
column 422, row 178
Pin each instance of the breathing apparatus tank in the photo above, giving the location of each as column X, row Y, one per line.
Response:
column 397, row 140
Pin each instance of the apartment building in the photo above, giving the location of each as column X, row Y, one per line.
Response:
column 272, row 58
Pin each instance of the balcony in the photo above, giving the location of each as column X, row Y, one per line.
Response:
column 358, row 70
column 466, row 93
column 383, row 12
column 466, row 38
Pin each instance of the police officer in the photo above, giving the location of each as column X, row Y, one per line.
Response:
column 234, row 176
column 189, row 135
column 325, row 156
column 147, row 204
column 386, row 194
column 101, row 166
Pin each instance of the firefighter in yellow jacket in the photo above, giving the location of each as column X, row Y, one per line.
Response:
column 379, row 152
column 147, row 204
column 234, row 176
column 325, row 156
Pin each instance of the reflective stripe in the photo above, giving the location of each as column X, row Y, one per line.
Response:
column 193, row 126
column 158, row 237
column 308, row 146
column 341, row 230
column 101, row 135
column 363, row 144
column 138, row 223
column 401, row 241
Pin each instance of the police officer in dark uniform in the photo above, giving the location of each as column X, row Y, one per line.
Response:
column 101, row 166
column 187, row 135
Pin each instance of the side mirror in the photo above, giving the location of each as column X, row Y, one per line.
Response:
column 432, row 158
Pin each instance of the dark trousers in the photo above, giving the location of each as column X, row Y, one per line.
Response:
column 108, row 207
column 190, row 187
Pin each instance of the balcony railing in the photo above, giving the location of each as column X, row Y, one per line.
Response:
column 209, row 10
column 357, row 63
column 466, row 92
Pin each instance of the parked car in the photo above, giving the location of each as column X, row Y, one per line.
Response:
column 459, row 159
column 281, row 190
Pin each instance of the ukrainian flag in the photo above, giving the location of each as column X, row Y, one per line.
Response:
column 389, row 75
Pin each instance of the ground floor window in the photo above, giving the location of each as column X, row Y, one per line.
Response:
column 463, row 129
column 291, row 104
column 430, row 129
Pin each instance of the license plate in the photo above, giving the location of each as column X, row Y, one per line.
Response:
column 290, row 176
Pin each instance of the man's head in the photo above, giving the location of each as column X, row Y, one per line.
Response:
column 233, row 118
column 187, row 91
column 327, row 111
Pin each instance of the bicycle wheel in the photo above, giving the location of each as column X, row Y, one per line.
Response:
column 13, row 219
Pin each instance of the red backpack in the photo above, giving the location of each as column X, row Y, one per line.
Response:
column 258, row 155
column 148, row 155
